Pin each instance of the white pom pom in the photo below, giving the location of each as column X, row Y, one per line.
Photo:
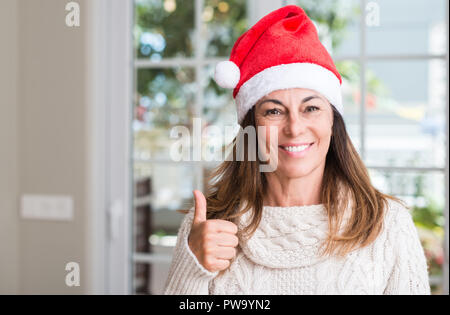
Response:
column 227, row 74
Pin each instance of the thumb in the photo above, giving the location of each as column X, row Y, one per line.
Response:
column 200, row 207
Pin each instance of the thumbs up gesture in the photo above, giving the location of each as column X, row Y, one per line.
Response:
column 213, row 242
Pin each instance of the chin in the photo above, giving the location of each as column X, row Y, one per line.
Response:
column 296, row 171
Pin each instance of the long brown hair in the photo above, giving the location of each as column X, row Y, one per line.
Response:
column 235, row 187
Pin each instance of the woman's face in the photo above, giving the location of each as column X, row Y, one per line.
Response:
column 304, row 120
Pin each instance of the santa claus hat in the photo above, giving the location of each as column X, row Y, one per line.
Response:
column 281, row 51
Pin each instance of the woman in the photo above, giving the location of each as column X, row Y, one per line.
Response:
column 312, row 225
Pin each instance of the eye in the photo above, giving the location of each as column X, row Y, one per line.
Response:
column 272, row 111
column 312, row 107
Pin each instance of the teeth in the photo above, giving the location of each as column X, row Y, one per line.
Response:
column 296, row 149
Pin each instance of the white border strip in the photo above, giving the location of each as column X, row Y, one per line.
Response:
column 286, row 76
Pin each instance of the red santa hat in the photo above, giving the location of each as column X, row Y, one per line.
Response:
column 281, row 51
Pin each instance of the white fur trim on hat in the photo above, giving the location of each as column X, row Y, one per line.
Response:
column 286, row 76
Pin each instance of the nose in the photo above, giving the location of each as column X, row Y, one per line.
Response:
column 295, row 125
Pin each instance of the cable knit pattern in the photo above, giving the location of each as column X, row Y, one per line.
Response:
column 282, row 257
column 287, row 237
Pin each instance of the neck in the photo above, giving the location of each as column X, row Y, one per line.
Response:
column 285, row 191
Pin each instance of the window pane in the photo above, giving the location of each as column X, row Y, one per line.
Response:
column 207, row 172
column 171, row 187
column 407, row 27
column 351, row 99
column 160, row 270
column 337, row 22
column 142, row 215
column 164, row 28
column 219, row 110
column 224, row 22
column 160, row 190
column 424, row 192
column 165, row 98
column 142, row 279
column 150, row 278
column 405, row 113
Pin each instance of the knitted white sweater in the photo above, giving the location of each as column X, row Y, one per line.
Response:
column 282, row 258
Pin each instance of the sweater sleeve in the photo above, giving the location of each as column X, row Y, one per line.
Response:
column 186, row 274
column 409, row 275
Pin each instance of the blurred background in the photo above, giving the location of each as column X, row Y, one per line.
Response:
column 86, row 111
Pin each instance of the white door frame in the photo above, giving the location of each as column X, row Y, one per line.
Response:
column 109, row 81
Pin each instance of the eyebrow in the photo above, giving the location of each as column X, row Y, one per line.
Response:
column 306, row 99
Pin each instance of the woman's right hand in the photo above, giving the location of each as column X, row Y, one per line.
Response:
column 213, row 241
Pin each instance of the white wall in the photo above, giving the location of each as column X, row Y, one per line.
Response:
column 64, row 117
column 52, row 142
column 9, row 236
column 44, row 144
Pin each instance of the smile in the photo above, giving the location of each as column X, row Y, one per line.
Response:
column 296, row 151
